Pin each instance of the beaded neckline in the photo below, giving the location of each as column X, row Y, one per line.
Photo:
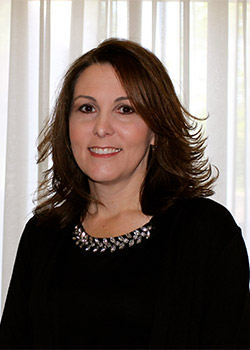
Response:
column 89, row 243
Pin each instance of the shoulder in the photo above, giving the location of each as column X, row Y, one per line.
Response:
column 205, row 207
column 200, row 224
column 35, row 229
column 201, row 237
column 202, row 212
column 206, row 213
column 209, row 218
column 209, row 221
column 41, row 237
column 37, row 226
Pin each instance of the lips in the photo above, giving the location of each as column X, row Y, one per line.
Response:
column 104, row 150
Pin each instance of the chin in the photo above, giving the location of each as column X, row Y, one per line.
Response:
column 103, row 178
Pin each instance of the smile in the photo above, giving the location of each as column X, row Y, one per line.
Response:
column 106, row 150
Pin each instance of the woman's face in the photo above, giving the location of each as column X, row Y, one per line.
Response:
column 110, row 142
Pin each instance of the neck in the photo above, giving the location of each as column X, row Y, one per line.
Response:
column 115, row 199
column 119, row 213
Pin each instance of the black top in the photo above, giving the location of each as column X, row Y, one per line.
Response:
column 187, row 286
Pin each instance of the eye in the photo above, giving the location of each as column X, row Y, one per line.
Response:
column 125, row 109
column 87, row 108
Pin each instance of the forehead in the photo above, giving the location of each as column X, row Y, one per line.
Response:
column 98, row 77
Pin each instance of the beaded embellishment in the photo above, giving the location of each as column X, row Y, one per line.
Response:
column 87, row 242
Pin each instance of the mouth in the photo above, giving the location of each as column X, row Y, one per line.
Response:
column 104, row 150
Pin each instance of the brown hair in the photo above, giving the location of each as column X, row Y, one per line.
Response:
column 177, row 167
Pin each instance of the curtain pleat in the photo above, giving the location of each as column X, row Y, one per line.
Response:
column 217, row 57
column 246, row 13
column 232, row 126
column 16, row 186
column 154, row 17
column 134, row 20
column 44, row 73
column 76, row 30
column 185, row 46
column 246, row 70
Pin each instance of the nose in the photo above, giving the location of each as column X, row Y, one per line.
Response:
column 103, row 125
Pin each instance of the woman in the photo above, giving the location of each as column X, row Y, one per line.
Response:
column 152, row 263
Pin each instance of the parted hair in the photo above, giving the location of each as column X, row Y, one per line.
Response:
column 177, row 167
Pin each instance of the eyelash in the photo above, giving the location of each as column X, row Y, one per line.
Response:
column 131, row 110
column 86, row 105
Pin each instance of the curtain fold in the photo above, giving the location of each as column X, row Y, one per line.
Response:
column 44, row 73
column 134, row 20
column 16, row 187
column 205, row 46
column 185, row 46
column 217, row 82
column 247, row 116
column 76, row 30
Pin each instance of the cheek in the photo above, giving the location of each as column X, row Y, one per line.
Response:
column 140, row 137
column 143, row 133
column 76, row 136
column 72, row 132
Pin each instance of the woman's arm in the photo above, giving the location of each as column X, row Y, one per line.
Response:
column 227, row 312
column 15, row 329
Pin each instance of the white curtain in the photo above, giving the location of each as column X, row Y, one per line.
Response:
column 205, row 46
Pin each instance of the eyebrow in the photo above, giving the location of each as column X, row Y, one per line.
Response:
column 122, row 98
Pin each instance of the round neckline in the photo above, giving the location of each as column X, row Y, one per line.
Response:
column 123, row 234
column 112, row 243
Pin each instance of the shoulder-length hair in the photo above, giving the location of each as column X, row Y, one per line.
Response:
column 177, row 167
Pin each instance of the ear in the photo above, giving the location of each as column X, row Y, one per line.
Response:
column 152, row 142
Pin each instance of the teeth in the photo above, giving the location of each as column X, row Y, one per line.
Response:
column 104, row 150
